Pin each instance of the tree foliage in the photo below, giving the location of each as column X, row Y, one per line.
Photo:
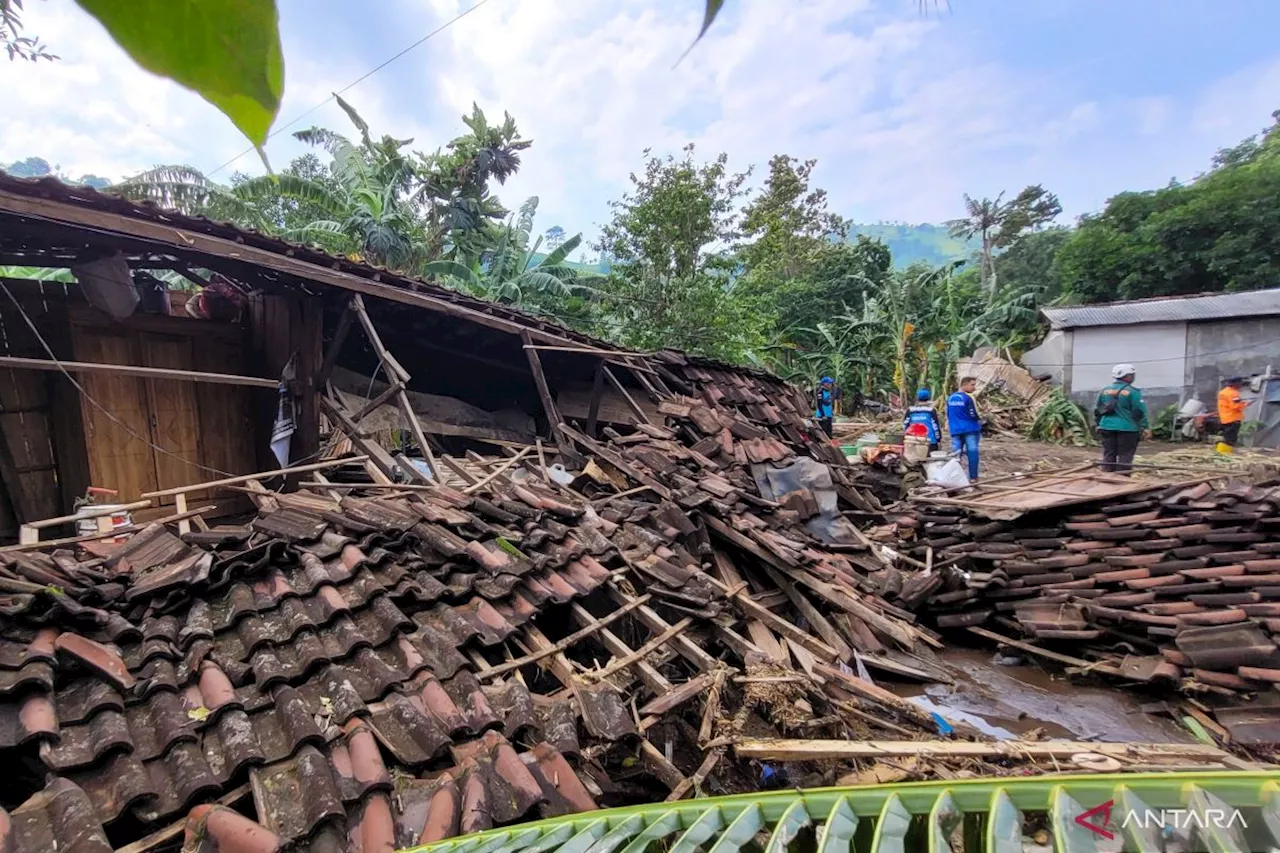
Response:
column 513, row 272
column 38, row 167
column 15, row 44
column 1219, row 233
column 374, row 199
column 671, row 244
column 998, row 223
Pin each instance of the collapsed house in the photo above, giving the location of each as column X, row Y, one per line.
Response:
column 405, row 564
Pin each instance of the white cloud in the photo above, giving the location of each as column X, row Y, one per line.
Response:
column 902, row 111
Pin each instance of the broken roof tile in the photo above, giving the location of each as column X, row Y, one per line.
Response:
column 103, row 660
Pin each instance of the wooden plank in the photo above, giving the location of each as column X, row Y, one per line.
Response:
column 811, row 614
column 229, row 430
column 813, row 750
column 189, row 244
column 647, row 649
column 568, row 641
column 756, row 629
column 650, row 618
column 496, row 472
column 135, row 370
column 615, row 460
column 874, row 693
column 699, row 776
column 376, row 456
column 456, row 467
column 544, row 394
column 647, row 673
column 261, row 475
column 657, row 764
column 578, row 349
column 175, row 829
column 119, row 531
column 678, row 694
column 390, row 391
column 631, row 403
column 325, row 485
column 70, row 446
column 419, row 437
column 19, row 497
column 1030, row 648
column 180, row 506
column 555, row 660
column 89, row 512
column 597, row 391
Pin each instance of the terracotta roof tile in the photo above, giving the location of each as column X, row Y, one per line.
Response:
column 58, row 818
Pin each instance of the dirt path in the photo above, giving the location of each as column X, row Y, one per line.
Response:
column 1003, row 455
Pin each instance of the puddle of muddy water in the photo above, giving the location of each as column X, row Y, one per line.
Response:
column 1007, row 701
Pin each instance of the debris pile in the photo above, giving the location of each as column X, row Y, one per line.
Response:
column 1176, row 586
column 694, row 612
column 355, row 672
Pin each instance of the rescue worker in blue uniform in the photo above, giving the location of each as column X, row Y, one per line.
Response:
column 922, row 413
column 964, row 424
column 824, row 404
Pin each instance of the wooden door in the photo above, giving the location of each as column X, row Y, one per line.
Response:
column 120, row 456
column 174, row 420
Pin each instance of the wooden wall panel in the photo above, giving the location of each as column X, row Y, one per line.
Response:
column 227, row 429
column 174, row 421
column 27, row 463
column 117, row 459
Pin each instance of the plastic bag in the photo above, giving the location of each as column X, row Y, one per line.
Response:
column 945, row 472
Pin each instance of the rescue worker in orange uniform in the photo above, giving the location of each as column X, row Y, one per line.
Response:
column 1230, row 414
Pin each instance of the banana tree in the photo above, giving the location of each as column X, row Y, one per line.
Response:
column 513, row 272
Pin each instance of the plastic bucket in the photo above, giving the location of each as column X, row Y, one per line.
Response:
column 915, row 448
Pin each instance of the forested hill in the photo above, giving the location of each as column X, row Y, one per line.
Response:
column 932, row 244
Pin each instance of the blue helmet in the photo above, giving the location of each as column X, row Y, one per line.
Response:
column 923, row 395
column 827, row 380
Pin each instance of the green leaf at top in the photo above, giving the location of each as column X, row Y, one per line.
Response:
column 708, row 18
column 226, row 50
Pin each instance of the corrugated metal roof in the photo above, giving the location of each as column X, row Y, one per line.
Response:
column 1221, row 306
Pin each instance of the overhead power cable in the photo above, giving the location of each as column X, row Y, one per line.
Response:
column 281, row 128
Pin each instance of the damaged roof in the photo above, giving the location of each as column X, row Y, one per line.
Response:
column 78, row 206
column 362, row 673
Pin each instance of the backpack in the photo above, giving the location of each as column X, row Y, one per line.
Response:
column 1108, row 401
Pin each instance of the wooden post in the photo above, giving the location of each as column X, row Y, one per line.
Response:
column 544, row 393
column 376, row 455
column 339, row 336
column 419, row 436
column 597, row 391
column 398, row 378
column 635, row 407
column 180, row 505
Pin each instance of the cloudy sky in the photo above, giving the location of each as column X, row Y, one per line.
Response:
column 904, row 108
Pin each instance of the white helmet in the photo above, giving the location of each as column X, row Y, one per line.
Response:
column 1120, row 371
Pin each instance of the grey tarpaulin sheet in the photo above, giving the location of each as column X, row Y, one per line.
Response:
column 775, row 483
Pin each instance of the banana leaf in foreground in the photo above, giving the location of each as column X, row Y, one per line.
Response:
column 1193, row 811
